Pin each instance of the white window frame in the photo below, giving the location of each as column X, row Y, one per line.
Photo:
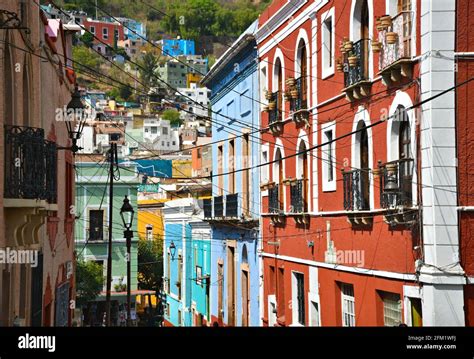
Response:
column 105, row 33
column 328, row 186
column 397, row 308
column 272, row 317
column 92, row 29
column 326, row 69
column 265, row 169
column 348, row 299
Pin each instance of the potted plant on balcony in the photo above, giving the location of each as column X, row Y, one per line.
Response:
column 342, row 48
column 376, row 46
column 294, row 93
column 266, row 108
column 378, row 24
column 271, row 105
column 268, row 95
column 352, row 59
column 287, row 95
column 290, row 82
column 348, row 46
column 339, row 65
column 385, row 21
column 270, row 185
column 391, row 37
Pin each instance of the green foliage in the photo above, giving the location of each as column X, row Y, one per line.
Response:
column 150, row 264
column 148, row 64
column 89, row 281
column 172, row 116
column 85, row 57
column 87, row 39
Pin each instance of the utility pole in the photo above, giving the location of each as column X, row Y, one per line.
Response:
column 112, row 159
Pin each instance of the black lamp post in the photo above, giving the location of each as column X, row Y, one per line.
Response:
column 127, row 212
column 172, row 250
column 75, row 119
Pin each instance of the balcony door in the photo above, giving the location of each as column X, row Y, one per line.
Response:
column 404, row 7
column 405, row 156
column 303, row 163
column 364, row 35
column 279, row 174
column 279, row 88
column 363, row 166
column 303, row 74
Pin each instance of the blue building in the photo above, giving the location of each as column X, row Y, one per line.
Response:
column 233, row 212
column 187, row 263
column 177, row 47
column 133, row 30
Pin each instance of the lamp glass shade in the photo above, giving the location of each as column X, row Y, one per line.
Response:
column 127, row 213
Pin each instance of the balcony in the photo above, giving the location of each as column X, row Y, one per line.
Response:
column 275, row 206
column 356, row 74
column 30, row 183
column 356, row 195
column 396, row 57
column 396, row 195
column 298, row 200
column 30, row 165
column 299, row 101
column 227, row 208
column 274, row 112
column 232, row 206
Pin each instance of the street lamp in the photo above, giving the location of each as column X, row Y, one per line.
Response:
column 172, row 250
column 75, row 118
column 127, row 212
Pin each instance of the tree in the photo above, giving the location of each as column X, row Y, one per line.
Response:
column 148, row 64
column 150, row 264
column 84, row 58
column 87, row 39
column 89, row 281
column 172, row 116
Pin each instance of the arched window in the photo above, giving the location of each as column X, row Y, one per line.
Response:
column 26, row 94
column 303, row 175
column 405, row 155
column 361, row 178
column 279, row 177
column 8, row 97
column 245, row 256
column 361, row 36
column 279, row 88
column 303, row 61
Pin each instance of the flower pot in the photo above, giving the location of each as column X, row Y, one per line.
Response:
column 352, row 61
column 378, row 24
column 271, row 106
column 268, row 95
column 391, row 167
column 342, row 48
column 376, row 172
column 386, row 21
column 376, row 46
column 287, row 95
column 339, row 67
column 290, row 81
column 391, row 37
column 348, row 46
column 266, row 108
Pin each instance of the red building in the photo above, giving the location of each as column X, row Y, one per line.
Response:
column 359, row 197
column 105, row 31
column 465, row 138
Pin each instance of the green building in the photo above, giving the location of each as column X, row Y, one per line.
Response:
column 92, row 234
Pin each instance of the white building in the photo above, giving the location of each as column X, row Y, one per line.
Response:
column 196, row 100
column 159, row 135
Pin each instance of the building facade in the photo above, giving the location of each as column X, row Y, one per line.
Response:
column 358, row 198
column 187, row 263
column 36, row 178
column 234, row 209
column 92, row 233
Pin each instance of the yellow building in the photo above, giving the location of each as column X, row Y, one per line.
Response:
column 150, row 219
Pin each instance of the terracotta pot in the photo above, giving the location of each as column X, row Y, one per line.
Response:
column 339, row 67
column 376, row 46
column 268, row 95
column 294, row 93
column 376, row 172
column 266, row 108
column 391, row 37
column 348, row 45
column 271, row 106
column 290, row 81
column 353, row 60
column 386, row 21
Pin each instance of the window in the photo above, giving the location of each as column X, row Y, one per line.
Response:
column 92, row 29
column 174, row 143
column 165, row 131
column 363, row 166
column 299, row 305
column 348, row 305
column 105, row 33
column 231, row 166
column 245, row 103
column 246, row 174
column 96, row 222
column 198, row 153
column 281, row 293
column 146, row 129
column 180, row 273
column 392, row 309
column 328, row 156
column 179, row 317
column 314, row 313
column 220, row 167
column 265, row 170
column 154, row 130
column 328, row 43
column 149, row 232
column 162, row 143
column 199, row 275
column 167, row 144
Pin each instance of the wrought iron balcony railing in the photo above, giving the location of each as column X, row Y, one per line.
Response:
column 275, row 113
column 356, row 190
column 232, row 205
column 219, row 206
column 207, row 206
column 298, row 200
column 301, row 102
column 30, row 164
column 402, row 25
column 274, row 204
column 360, row 71
column 396, row 179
